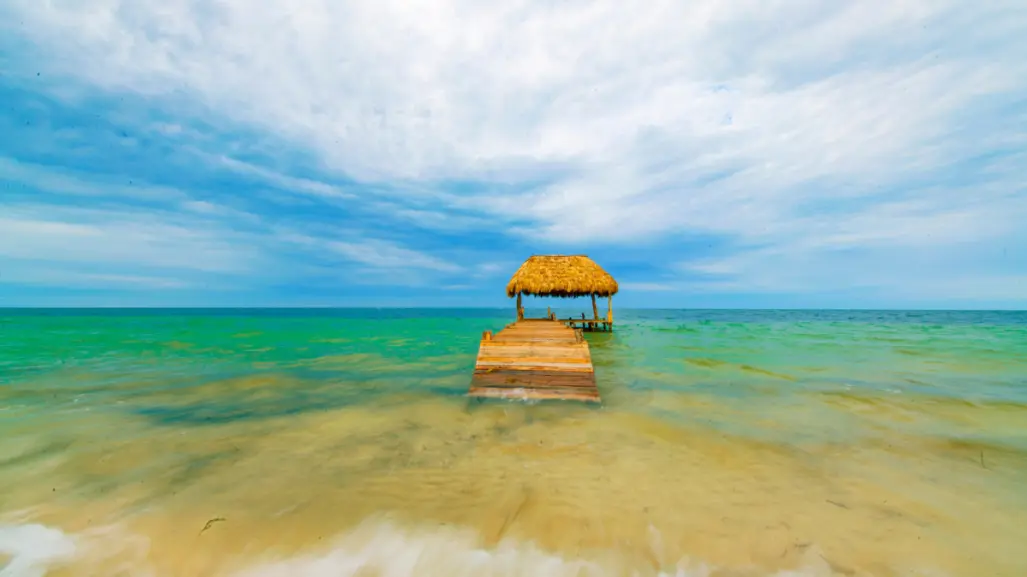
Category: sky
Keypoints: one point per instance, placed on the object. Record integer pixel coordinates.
(707, 153)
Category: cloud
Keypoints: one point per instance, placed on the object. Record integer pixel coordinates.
(34, 275)
(159, 237)
(815, 142)
(649, 286)
(51, 179)
(82, 235)
(292, 184)
(370, 252)
(379, 254)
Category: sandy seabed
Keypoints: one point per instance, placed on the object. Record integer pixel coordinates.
(422, 485)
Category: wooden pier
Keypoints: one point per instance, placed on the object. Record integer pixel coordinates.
(535, 359)
(545, 358)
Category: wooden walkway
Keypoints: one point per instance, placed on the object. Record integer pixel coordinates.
(535, 359)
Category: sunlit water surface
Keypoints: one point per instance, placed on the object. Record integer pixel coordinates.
(339, 442)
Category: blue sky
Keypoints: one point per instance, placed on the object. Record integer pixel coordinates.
(396, 153)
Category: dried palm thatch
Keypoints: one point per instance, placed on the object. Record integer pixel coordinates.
(561, 276)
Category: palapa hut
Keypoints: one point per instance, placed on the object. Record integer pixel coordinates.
(541, 359)
(565, 276)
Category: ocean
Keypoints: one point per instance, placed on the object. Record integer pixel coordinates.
(339, 442)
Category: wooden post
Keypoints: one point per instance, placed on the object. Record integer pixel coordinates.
(609, 309)
(595, 310)
(520, 310)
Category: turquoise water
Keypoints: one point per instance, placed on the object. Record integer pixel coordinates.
(874, 443)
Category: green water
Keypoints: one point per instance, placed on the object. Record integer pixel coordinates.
(134, 415)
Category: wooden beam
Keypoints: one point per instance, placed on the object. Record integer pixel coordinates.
(595, 309)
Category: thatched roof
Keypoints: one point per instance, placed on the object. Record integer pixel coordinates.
(561, 276)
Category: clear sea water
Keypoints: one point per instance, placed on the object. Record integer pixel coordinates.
(340, 443)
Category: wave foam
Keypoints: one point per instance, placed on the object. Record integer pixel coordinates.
(376, 548)
(32, 549)
(382, 549)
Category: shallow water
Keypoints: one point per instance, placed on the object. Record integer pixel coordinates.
(338, 442)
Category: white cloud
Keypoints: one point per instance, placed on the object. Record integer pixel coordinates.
(85, 189)
(648, 286)
(55, 235)
(644, 104)
(52, 179)
(285, 182)
(41, 275)
(369, 252)
(489, 269)
(743, 119)
(382, 254)
(47, 239)
(908, 254)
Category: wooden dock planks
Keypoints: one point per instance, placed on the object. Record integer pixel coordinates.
(535, 359)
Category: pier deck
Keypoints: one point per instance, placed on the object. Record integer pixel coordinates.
(535, 359)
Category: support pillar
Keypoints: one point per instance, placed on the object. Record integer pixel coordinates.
(520, 309)
(595, 310)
